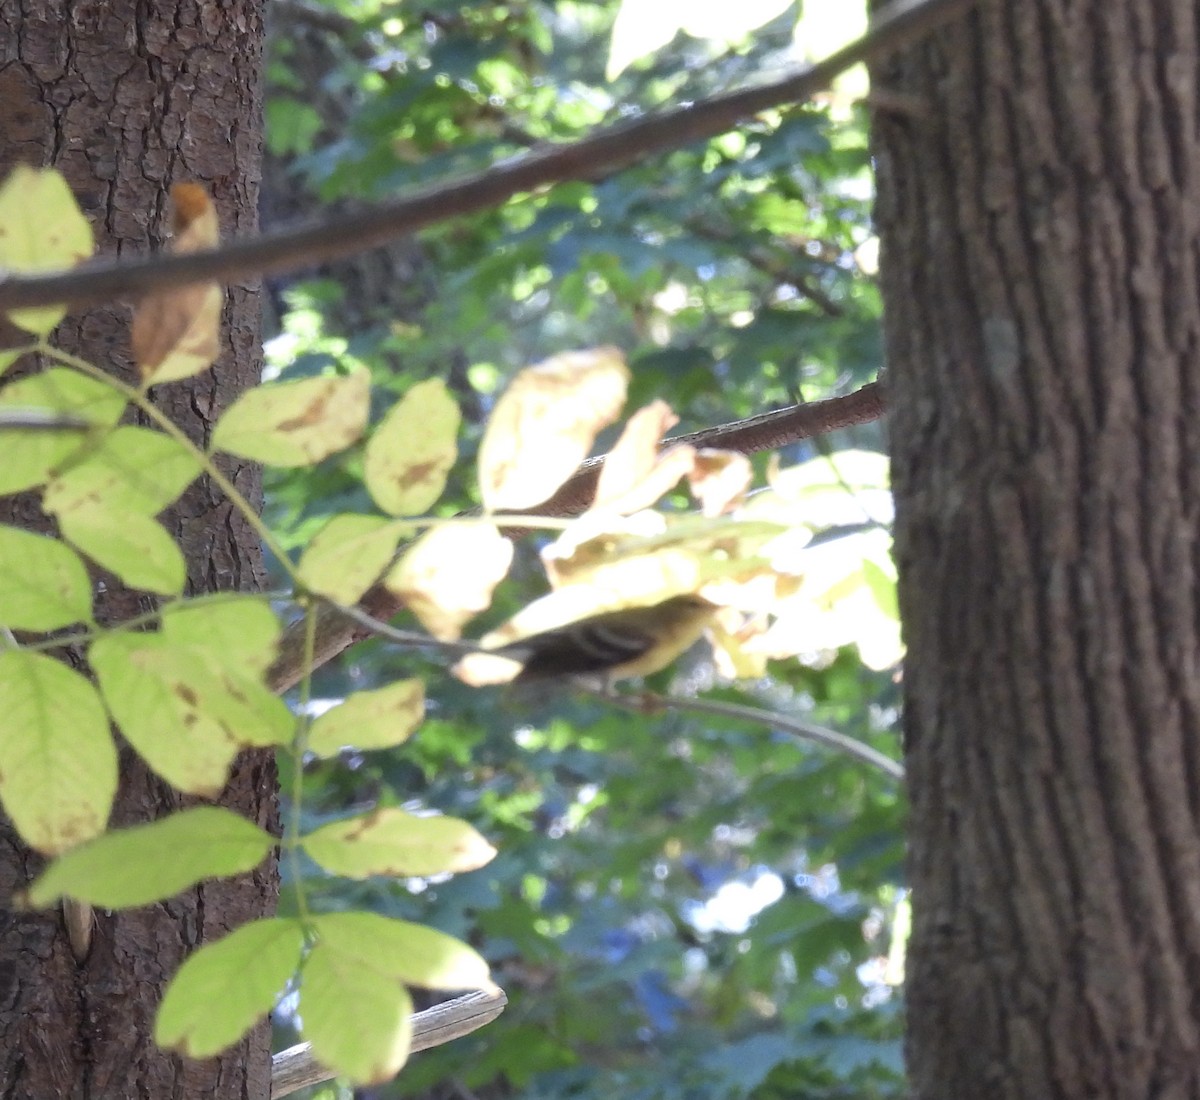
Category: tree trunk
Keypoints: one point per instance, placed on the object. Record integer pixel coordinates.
(125, 99)
(1039, 209)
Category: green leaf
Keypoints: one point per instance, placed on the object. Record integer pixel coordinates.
(43, 584)
(296, 423)
(347, 556)
(187, 708)
(393, 842)
(411, 952)
(226, 987)
(370, 719)
(413, 450)
(41, 229)
(130, 470)
(31, 458)
(358, 1019)
(241, 630)
(9, 356)
(58, 764)
(148, 863)
(883, 587)
(291, 125)
(134, 547)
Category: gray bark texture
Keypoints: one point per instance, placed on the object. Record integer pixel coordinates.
(1039, 210)
(126, 98)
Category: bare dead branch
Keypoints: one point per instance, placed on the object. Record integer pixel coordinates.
(295, 1068)
(901, 23)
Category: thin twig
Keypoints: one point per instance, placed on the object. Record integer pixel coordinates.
(642, 701)
(765, 432)
(898, 25)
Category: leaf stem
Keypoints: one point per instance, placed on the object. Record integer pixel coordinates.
(84, 637)
(644, 701)
(294, 827)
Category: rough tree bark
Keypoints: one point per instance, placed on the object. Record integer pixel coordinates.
(126, 98)
(1039, 209)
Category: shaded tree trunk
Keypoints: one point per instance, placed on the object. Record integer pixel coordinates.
(1039, 209)
(125, 99)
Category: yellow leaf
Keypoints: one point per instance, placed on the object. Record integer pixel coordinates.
(448, 575)
(358, 1020)
(224, 987)
(296, 423)
(393, 842)
(58, 763)
(719, 480)
(347, 555)
(545, 423)
(370, 719)
(413, 450)
(635, 474)
(41, 229)
(411, 952)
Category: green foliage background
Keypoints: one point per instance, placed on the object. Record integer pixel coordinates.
(728, 273)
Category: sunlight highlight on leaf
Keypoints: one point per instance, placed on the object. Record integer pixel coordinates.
(545, 423)
(225, 988)
(42, 229)
(394, 842)
(296, 423)
(358, 1019)
(413, 450)
(378, 719)
(449, 574)
(58, 763)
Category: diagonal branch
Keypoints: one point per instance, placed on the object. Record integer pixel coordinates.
(296, 1068)
(900, 24)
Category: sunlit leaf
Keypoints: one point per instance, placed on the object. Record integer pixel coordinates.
(415, 954)
(130, 469)
(411, 453)
(176, 332)
(449, 574)
(847, 487)
(240, 630)
(635, 474)
(641, 29)
(43, 584)
(30, 458)
(882, 583)
(225, 988)
(186, 705)
(347, 556)
(835, 605)
(58, 764)
(357, 1018)
(147, 863)
(134, 547)
(41, 229)
(393, 842)
(719, 480)
(296, 423)
(370, 719)
(545, 423)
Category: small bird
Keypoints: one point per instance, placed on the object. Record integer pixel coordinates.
(632, 641)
